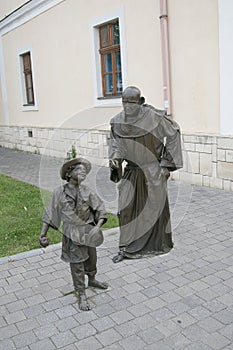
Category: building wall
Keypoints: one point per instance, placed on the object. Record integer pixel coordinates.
(208, 159)
(226, 67)
(68, 112)
(8, 6)
(194, 47)
(1, 109)
(63, 65)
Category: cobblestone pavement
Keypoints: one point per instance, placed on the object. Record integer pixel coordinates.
(181, 300)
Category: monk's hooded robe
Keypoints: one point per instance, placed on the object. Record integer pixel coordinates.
(147, 144)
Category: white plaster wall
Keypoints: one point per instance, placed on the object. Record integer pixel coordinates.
(62, 57)
(193, 30)
(8, 6)
(226, 65)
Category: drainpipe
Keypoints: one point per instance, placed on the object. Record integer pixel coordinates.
(165, 56)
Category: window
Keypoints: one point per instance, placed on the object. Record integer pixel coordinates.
(27, 79)
(110, 55)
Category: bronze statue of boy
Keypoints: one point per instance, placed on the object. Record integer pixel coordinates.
(81, 213)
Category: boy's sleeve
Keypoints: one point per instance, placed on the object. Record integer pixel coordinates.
(98, 207)
(52, 215)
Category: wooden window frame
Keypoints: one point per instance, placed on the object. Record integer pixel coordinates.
(111, 48)
(27, 72)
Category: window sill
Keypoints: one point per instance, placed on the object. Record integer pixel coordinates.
(29, 108)
(108, 101)
(110, 97)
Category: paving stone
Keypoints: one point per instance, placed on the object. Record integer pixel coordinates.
(84, 331)
(47, 318)
(150, 335)
(88, 344)
(166, 286)
(199, 312)
(45, 344)
(160, 345)
(14, 317)
(46, 331)
(137, 297)
(102, 298)
(216, 341)
(103, 310)
(65, 311)
(12, 288)
(210, 324)
(226, 299)
(35, 300)
(33, 311)
(52, 305)
(155, 303)
(195, 333)
(144, 322)
(63, 339)
(169, 328)
(198, 346)
(27, 325)
(184, 320)
(127, 329)
(184, 291)
(16, 305)
(227, 331)
(224, 316)
(178, 341)
(139, 310)
(132, 287)
(6, 299)
(65, 324)
(151, 292)
(214, 305)
(103, 323)
(179, 307)
(24, 339)
(132, 343)
(121, 316)
(121, 303)
(108, 337)
(180, 281)
(7, 345)
(162, 314)
(8, 331)
(85, 317)
(132, 277)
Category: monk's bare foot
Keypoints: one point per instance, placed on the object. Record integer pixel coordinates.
(119, 257)
(92, 282)
(83, 303)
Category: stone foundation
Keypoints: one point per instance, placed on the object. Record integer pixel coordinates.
(208, 159)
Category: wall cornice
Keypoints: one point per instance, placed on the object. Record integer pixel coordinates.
(25, 13)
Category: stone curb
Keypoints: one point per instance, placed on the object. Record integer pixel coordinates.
(40, 251)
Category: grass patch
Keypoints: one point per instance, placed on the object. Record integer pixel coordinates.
(21, 210)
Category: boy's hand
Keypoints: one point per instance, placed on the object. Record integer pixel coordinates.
(44, 242)
(94, 230)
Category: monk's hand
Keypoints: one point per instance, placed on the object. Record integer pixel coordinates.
(43, 241)
(114, 164)
(165, 172)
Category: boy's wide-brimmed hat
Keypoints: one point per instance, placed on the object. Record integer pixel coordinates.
(65, 167)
